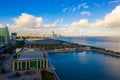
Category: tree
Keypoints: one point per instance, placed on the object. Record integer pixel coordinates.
(47, 75)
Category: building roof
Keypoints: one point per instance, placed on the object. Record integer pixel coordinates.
(30, 54)
(31, 50)
(45, 41)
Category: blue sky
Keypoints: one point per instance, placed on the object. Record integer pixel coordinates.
(63, 12)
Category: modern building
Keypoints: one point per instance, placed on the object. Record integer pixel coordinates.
(14, 36)
(30, 59)
(4, 35)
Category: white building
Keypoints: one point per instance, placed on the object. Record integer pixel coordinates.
(30, 59)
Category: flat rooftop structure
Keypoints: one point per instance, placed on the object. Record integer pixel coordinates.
(31, 51)
(44, 41)
(31, 56)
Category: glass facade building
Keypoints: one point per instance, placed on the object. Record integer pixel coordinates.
(4, 36)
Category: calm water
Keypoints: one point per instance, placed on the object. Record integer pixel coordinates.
(86, 65)
(108, 43)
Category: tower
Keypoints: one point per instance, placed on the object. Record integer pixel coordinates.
(4, 35)
(54, 35)
(7, 38)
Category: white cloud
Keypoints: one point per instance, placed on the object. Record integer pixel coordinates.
(97, 31)
(1, 25)
(83, 5)
(65, 9)
(56, 23)
(98, 23)
(114, 1)
(59, 21)
(110, 25)
(66, 25)
(74, 9)
(28, 21)
(70, 9)
(79, 6)
(110, 20)
(81, 23)
(113, 19)
(49, 25)
(85, 13)
(67, 31)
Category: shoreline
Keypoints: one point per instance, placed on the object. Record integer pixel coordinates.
(53, 45)
(65, 51)
(72, 47)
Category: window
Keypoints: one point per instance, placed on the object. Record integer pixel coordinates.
(33, 64)
(23, 65)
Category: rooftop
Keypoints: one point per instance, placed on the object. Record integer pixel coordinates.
(44, 41)
(30, 54)
(29, 50)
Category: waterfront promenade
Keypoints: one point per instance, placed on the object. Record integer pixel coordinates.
(107, 52)
(53, 45)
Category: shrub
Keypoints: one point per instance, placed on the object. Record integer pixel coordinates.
(47, 75)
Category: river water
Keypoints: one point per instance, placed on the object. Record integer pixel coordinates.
(87, 65)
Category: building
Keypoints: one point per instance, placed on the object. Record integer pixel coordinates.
(46, 43)
(14, 36)
(30, 59)
(30, 36)
(54, 35)
(4, 35)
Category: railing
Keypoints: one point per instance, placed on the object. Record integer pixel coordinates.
(53, 70)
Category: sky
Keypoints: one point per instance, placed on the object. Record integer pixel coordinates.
(64, 17)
